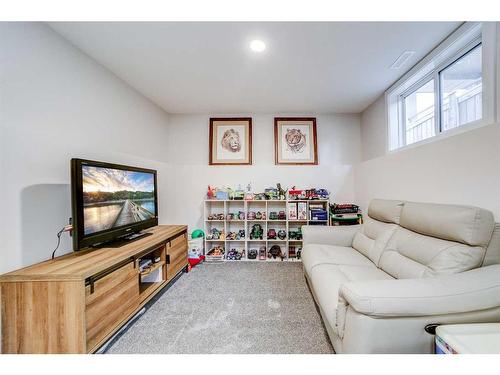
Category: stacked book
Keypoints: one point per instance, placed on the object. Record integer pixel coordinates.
(345, 214)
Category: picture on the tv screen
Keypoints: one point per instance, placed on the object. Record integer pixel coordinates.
(114, 198)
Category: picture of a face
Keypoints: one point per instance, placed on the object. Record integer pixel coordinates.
(295, 140)
(231, 141)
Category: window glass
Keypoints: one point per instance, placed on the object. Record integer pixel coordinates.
(419, 114)
(461, 91)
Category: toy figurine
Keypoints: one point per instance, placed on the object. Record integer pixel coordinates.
(281, 234)
(258, 215)
(273, 215)
(281, 215)
(257, 232)
(275, 252)
(215, 234)
(210, 192)
(221, 194)
(220, 217)
(280, 192)
(216, 251)
(241, 233)
(238, 194)
(249, 194)
(233, 254)
(262, 253)
(231, 236)
(252, 254)
(230, 216)
(271, 234)
(251, 215)
(241, 215)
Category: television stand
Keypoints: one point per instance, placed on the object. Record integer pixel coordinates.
(76, 302)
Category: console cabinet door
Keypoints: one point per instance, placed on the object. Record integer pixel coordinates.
(114, 298)
(177, 251)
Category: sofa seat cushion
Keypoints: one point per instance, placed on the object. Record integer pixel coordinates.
(315, 254)
(326, 280)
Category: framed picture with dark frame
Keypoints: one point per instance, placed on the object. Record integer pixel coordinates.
(295, 141)
(230, 141)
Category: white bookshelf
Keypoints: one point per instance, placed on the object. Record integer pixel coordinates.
(214, 206)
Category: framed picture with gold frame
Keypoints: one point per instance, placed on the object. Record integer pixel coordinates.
(230, 141)
(295, 141)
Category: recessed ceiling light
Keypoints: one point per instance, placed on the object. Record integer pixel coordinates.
(257, 45)
(402, 59)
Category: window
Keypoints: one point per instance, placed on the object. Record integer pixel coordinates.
(442, 92)
(461, 98)
(419, 119)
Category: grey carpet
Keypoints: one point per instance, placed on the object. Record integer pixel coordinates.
(231, 308)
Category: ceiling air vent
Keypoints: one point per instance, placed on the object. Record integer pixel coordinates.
(402, 59)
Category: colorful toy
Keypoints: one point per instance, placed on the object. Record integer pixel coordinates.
(231, 236)
(273, 215)
(241, 215)
(296, 194)
(258, 215)
(257, 233)
(259, 197)
(221, 194)
(249, 194)
(281, 215)
(271, 193)
(271, 234)
(295, 234)
(230, 216)
(211, 192)
(234, 254)
(281, 193)
(215, 234)
(281, 234)
(238, 195)
(241, 234)
(251, 215)
(197, 233)
(216, 251)
(252, 254)
(275, 252)
(262, 253)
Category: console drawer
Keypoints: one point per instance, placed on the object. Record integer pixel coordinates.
(177, 254)
(114, 298)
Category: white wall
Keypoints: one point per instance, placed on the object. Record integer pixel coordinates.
(461, 169)
(189, 172)
(55, 104)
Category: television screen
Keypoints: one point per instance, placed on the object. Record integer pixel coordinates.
(110, 197)
(113, 198)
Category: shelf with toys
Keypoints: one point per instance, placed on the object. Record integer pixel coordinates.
(260, 226)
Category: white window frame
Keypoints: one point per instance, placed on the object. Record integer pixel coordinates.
(457, 45)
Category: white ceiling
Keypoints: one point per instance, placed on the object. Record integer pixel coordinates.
(196, 67)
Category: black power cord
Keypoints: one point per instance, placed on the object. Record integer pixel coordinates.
(66, 228)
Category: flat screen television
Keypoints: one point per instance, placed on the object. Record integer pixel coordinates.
(110, 201)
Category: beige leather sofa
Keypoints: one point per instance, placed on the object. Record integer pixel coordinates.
(410, 264)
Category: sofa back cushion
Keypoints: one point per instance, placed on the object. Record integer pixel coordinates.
(372, 239)
(385, 210)
(437, 239)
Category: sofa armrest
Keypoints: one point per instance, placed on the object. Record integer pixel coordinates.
(327, 235)
(474, 290)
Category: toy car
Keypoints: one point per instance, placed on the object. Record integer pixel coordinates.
(295, 234)
(296, 194)
(281, 215)
(257, 233)
(271, 193)
(322, 194)
(271, 234)
(238, 195)
(281, 234)
(273, 215)
(216, 251)
(215, 234)
(275, 252)
(252, 254)
(234, 254)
